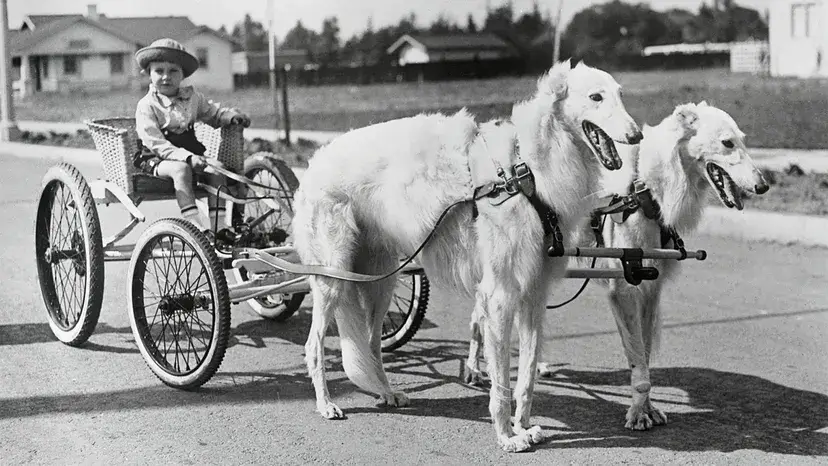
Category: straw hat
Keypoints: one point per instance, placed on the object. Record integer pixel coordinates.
(170, 51)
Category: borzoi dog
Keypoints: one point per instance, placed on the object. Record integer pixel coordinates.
(374, 194)
(695, 143)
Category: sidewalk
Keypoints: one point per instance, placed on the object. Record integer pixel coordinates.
(718, 221)
(250, 133)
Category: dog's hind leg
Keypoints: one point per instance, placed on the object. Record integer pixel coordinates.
(325, 296)
(627, 304)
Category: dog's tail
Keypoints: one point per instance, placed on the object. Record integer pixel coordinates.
(362, 362)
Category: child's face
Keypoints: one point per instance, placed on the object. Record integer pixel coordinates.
(166, 77)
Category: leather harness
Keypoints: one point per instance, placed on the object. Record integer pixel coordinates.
(521, 180)
(621, 207)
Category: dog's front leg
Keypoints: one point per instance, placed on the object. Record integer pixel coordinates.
(530, 320)
(628, 308)
(497, 321)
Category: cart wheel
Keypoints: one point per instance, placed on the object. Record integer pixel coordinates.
(69, 254)
(265, 168)
(179, 305)
(407, 310)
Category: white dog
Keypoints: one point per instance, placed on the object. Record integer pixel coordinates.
(695, 143)
(373, 195)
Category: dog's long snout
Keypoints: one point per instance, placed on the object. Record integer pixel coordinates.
(635, 137)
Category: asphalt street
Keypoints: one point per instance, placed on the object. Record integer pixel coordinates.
(742, 374)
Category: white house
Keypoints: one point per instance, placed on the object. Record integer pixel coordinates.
(450, 47)
(67, 53)
(798, 37)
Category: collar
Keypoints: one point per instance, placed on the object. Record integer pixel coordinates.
(184, 94)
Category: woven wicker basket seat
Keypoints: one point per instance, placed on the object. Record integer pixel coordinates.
(117, 141)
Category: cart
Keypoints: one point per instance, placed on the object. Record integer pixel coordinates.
(178, 296)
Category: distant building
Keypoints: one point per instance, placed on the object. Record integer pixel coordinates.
(68, 53)
(798, 41)
(245, 63)
(744, 57)
(410, 49)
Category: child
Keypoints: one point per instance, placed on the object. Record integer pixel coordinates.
(164, 120)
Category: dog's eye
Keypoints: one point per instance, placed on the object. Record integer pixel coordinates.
(728, 143)
(596, 97)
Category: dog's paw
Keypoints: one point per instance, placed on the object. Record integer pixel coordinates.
(545, 370)
(644, 417)
(515, 443)
(534, 435)
(474, 377)
(330, 411)
(394, 400)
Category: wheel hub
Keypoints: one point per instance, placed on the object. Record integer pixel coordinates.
(185, 302)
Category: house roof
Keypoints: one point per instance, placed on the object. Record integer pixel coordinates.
(453, 42)
(23, 40)
(139, 30)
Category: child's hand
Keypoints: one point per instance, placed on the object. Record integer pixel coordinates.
(198, 162)
(241, 119)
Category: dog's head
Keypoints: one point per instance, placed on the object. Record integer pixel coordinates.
(716, 147)
(590, 104)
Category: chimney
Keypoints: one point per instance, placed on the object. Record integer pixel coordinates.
(92, 11)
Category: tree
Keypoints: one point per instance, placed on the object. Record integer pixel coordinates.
(500, 19)
(471, 26)
(250, 34)
(301, 38)
(443, 25)
(328, 43)
(531, 25)
(606, 33)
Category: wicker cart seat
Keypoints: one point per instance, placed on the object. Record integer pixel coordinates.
(117, 142)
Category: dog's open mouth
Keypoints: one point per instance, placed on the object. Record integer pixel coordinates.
(602, 145)
(728, 192)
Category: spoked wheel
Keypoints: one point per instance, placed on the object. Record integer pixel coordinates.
(179, 305)
(264, 168)
(407, 310)
(69, 254)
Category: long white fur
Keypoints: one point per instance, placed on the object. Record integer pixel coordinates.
(671, 161)
(372, 196)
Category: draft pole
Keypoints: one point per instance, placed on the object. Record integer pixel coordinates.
(8, 125)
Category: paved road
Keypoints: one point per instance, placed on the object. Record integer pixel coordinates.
(742, 375)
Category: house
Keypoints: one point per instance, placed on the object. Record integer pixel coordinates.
(798, 31)
(459, 47)
(92, 52)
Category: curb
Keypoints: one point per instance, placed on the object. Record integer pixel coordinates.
(760, 225)
(751, 225)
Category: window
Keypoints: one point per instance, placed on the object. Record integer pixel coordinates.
(116, 64)
(79, 44)
(202, 55)
(45, 66)
(803, 19)
(70, 64)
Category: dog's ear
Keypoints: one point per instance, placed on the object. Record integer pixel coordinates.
(687, 118)
(703, 103)
(554, 82)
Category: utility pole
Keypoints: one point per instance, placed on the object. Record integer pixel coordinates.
(271, 47)
(8, 125)
(556, 54)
